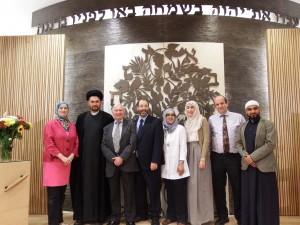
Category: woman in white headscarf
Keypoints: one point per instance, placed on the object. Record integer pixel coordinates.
(175, 171)
(200, 191)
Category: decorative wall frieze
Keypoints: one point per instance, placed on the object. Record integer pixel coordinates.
(169, 10)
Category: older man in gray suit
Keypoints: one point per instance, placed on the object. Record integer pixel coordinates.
(256, 141)
(118, 146)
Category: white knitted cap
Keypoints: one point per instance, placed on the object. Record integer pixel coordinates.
(251, 102)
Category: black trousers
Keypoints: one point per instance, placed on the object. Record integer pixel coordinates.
(115, 195)
(151, 180)
(56, 197)
(177, 200)
(223, 165)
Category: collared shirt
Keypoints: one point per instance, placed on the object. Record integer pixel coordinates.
(138, 122)
(234, 121)
(94, 113)
(120, 127)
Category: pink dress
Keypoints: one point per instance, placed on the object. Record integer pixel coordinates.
(57, 140)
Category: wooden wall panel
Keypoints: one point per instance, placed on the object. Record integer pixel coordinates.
(31, 83)
(283, 51)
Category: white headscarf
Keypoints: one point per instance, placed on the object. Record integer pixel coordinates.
(193, 123)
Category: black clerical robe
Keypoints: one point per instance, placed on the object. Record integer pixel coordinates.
(88, 183)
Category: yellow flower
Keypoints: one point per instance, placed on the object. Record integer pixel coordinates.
(30, 125)
(9, 121)
(20, 128)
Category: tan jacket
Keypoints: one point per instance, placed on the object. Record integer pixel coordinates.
(265, 143)
(204, 139)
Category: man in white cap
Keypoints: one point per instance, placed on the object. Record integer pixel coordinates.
(225, 158)
(256, 141)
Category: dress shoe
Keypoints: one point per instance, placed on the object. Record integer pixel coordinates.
(111, 222)
(130, 223)
(140, 218)
(78, 222)
(222, 221)
(155, 222)
(93, 223)
(167, 221)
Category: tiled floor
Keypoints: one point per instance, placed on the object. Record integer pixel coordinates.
(42, 220)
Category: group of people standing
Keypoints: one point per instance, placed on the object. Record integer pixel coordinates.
(193, 161)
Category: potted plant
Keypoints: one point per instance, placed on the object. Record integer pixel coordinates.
(11, 127)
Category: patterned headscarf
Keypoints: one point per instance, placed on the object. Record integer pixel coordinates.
(64, 120)
(169, 127)
(193, 123)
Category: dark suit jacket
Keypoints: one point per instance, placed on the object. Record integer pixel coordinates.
(150, 143)
(265, 143)
(127, 148)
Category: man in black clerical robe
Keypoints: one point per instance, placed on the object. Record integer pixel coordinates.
(88, 183)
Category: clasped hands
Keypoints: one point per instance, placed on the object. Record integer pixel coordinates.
(118, 161)
(247, 159)
(66, 160)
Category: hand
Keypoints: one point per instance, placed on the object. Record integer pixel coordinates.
(180, 169)
(118, 161)
(248, 160)
(71, 157)
(153, 166)
(201, 165)
(64, 159)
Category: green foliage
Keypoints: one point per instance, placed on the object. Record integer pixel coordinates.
(168, 78)
(11, 127)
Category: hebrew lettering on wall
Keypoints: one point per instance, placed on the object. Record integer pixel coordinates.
(170, 9)
(168, 74)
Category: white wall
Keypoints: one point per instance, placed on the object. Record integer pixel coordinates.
(16, 15)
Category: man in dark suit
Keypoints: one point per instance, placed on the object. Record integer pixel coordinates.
(150, 139)
(118, 147)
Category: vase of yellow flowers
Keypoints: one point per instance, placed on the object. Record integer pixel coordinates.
(11, 127)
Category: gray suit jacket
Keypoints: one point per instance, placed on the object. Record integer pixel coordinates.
(265, 143)
(127, 148)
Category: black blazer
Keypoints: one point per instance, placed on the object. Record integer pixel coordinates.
(127, 148)
(150, 143)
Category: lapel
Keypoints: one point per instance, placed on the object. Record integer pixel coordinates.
(124, 128)
(243, 133)
(259, 126)
(61, 128)
(110, 130)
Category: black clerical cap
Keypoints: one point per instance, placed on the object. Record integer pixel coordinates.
(94, 93)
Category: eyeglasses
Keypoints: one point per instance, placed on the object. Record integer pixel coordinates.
(171, 114)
